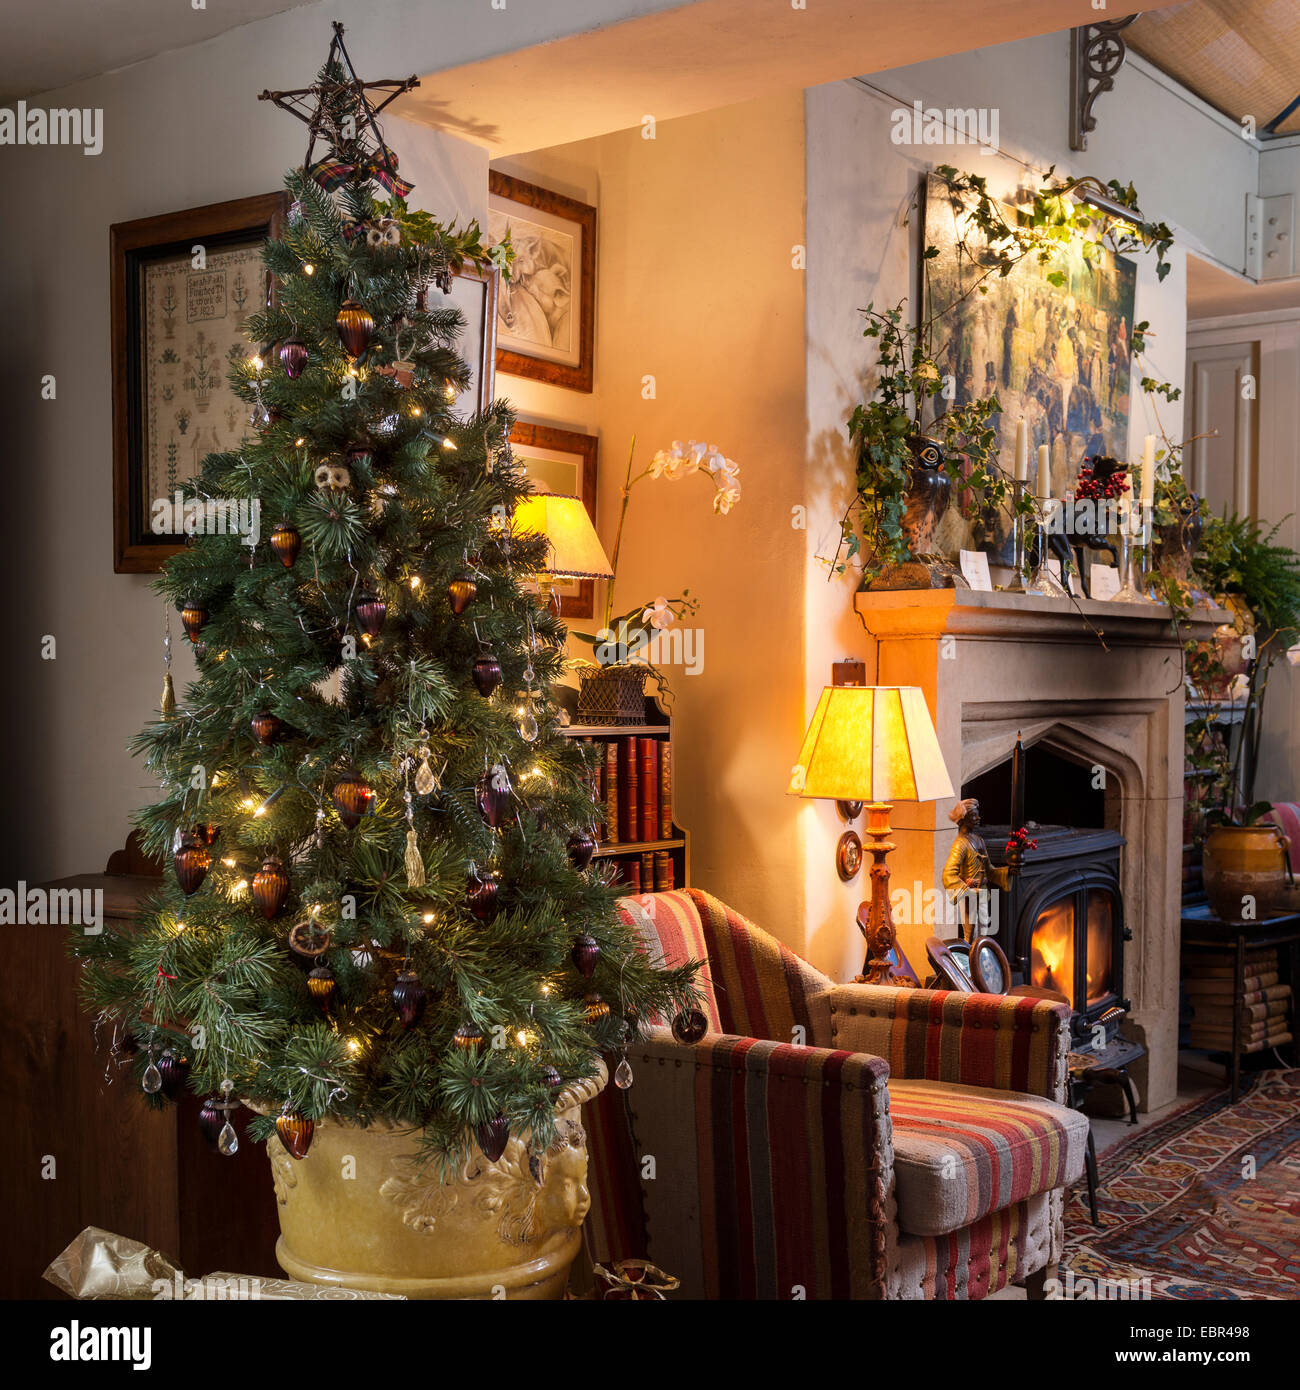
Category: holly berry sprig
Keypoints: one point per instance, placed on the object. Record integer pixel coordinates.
(1094, 489)
(1020, 839)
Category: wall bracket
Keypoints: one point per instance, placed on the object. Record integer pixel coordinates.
(1097, 52)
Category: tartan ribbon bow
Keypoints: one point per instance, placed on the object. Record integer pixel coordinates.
(334, 173)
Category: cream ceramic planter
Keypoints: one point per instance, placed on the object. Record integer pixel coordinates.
(357, 1211)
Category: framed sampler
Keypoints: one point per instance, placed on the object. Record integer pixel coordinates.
(183, 285)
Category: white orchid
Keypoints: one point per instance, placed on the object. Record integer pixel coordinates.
(724, 499)
(659, 614)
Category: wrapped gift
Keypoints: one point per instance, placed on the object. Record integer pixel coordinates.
(100, 1265)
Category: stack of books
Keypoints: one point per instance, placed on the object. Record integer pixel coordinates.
(1263, 1009)
(633, 782)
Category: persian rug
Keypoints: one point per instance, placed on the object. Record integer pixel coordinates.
(1203, 1205)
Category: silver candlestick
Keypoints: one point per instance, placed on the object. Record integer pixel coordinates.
(1017, 582)
(1044, 582)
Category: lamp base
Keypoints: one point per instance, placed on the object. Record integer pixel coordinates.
(882, 941)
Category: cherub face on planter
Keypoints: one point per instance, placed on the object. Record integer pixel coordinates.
(334, 476)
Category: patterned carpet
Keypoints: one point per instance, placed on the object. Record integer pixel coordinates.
(1203, 1205)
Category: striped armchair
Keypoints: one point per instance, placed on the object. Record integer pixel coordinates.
(832, 1141)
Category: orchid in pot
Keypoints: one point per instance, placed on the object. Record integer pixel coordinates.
(628, 643)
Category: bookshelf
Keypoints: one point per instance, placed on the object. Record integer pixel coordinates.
(634, 782)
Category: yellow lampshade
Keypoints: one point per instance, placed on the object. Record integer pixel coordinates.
(574, 550)
(871, 743)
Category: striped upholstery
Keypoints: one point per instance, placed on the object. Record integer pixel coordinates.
(1286, 815)
(670, 929)
(961, 1153)
(976, 1261)
(766, 1184)
(763, 989)
(752, 1168)
(993, 1040)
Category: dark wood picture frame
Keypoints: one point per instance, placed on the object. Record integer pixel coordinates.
(489, 277)
(132, 245)
(981, 947)
(947, 957)
(530, 195)
(524, 437)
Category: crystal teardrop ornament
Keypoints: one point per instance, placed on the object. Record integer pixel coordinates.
(424, 782)
(623, 1075)
(528, 729)
(152, 1080)
(228, 1140)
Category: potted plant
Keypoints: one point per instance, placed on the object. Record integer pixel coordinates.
(1244, 861)
(612, 689)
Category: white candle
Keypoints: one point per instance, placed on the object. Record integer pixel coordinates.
(1149, 470)
(1022, 451)
(1044, 473)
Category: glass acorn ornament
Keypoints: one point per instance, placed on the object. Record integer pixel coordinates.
(286, 542)
(461, 589)
(191, 863)
(493, 1136)
(493, 794)
(371, 610)
(355, 327)
(581, 848)
(271, 887)
(173, 1070)
(193, 617)
(353, 797)
(486, 671)
(321, 986)
(294, 1131)
(585, 954)
(482, 892)
(409, 998)
(595, 1007)
(293, 357)
(468, 1037)
(267, 727)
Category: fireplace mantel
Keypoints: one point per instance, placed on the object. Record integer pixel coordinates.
(1026, 617)
(1098, 683)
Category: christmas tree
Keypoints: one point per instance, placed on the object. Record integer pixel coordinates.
(384, 902)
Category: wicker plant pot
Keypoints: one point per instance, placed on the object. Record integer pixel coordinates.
(489, 1230)
(612, 695)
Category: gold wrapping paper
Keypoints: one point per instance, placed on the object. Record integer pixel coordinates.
(101, 1265)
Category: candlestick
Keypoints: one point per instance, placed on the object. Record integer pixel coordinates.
(1016, 585)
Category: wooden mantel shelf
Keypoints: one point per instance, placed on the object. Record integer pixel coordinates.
(1004, 617)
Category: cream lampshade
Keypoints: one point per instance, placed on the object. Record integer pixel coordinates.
(873, 744)
(574, 550)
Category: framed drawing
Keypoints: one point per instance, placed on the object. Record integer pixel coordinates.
(951, 962)
(177, 324)
(1057, 354)
(474, 293)
(563, 462)
(546, 311)
(989, 969)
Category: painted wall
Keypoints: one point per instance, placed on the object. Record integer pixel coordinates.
(696, 288)
(179, 134)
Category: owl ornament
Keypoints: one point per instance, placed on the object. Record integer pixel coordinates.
(333, 477)
(382, 234)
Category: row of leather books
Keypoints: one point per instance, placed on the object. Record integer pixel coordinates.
(1262, 1011)
(651, 871)
(633, 782)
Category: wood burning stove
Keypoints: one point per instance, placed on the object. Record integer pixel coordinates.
(1061, 927)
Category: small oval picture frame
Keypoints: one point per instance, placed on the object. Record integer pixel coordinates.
(990, 971)
(848, 855)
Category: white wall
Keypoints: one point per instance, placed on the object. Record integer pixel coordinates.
(859, 251)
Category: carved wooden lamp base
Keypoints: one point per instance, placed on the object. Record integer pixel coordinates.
(878, 969)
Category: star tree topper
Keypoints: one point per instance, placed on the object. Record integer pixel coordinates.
(337, 110)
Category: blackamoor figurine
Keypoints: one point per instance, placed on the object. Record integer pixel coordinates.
(968, 869)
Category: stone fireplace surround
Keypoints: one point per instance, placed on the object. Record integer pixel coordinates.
(1099, 684)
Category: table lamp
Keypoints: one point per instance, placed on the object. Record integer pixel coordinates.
(875, 744)
(573, 549)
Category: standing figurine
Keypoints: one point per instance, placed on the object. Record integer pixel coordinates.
(968, 869)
